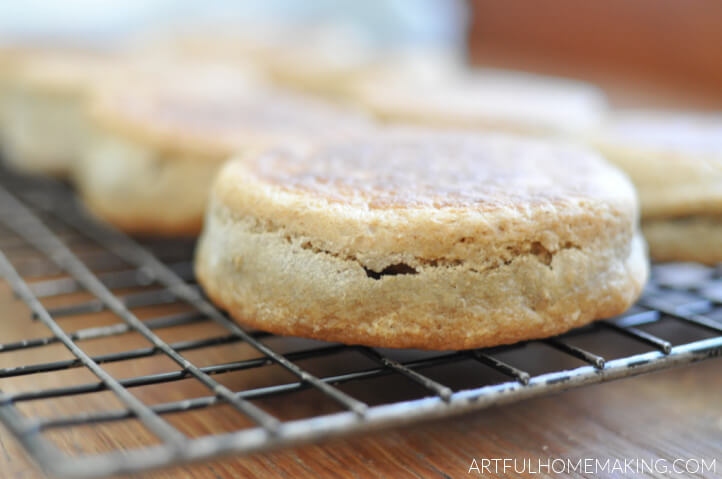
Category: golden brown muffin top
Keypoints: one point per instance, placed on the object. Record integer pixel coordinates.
(482, 99)
(218, 112)
(432, 194)
(419, 168)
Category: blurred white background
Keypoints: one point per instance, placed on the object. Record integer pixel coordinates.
(400, 22)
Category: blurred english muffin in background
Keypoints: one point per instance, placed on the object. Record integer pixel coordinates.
(445, 95)
(316, 58)
(43, 96)
(320, 59)
(675, 161)
(156, 145)
(220, 42)
(324, 61)
(47, 92)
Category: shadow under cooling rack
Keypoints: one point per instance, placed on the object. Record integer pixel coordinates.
(113, 361)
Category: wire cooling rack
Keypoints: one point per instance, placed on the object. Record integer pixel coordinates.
(117, 363)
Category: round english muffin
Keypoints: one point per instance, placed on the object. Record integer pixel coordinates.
(316, 58)
(675, 161)
(422, 239)
(43, 98)
(156, 146)
(481, 99)
(327, 59)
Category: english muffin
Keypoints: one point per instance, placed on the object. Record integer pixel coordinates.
(43, 95)
(315, 58)
(156, 146)
(320, 59)
(481, 99)
(422, 239)
(675, 161)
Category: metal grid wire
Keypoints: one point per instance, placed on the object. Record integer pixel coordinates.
(50, 253)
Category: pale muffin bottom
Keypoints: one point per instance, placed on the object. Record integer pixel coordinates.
(141, 189)
(272, 280)
(692, 238)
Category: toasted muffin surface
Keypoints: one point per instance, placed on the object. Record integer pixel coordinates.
(217, 118)
(410, 182)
